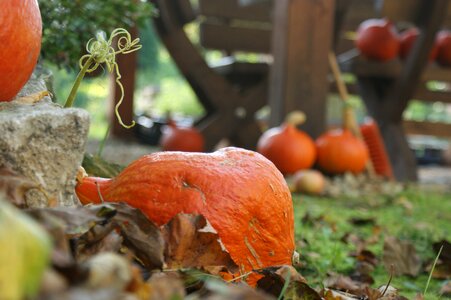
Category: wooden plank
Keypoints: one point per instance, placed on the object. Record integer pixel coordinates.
(427, 128)
(435, 72)
(401, 10)
(127, 65)
(232, 9)
(302, 37)
(230, 39)
(185, 11)
(406, 10)
(390, 69)
(423, 94)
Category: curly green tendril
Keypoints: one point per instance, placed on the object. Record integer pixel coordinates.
(100, 51)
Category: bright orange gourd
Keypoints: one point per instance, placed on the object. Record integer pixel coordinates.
(377, 40)
(241, 193)
(187, 139)
(289, 148)
(20, 36)
(339, 151)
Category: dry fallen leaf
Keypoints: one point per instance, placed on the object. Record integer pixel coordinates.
(165, 286)
(274, 278)
(338, 295)
(445, 291)
(191, 242)
(219, 290)
(14, 186)
(402, 256)
(33, 98)
(342, 283)
(140, 235)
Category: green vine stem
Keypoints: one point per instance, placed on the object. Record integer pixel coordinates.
(100, 51)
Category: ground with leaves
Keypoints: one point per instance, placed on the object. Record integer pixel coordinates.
(360, 238)
(367, 239)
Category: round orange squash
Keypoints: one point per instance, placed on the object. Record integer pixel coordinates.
(187, 139)
(20, 35)
(377, 39)
(240, 192)
(339, 151)
(289, 148)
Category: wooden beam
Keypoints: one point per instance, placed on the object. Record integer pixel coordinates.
(230, 39)
(232, 9)
(427, 128)
(127, 65)
(301, 40)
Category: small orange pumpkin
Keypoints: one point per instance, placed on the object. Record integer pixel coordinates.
(377, 39)
(443, 43)
(241, 193)
(289, 148)
(339, 151)
(187, 139)
(20, 35)
(407, 40)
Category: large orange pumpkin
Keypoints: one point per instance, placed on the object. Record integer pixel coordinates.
(241, 193)
(20, 36)
(176, 138)
(339, 151)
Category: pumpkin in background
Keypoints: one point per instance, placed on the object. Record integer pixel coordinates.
(407, 40)
(187, 139)
(444, 48)
(339, 151)
(241, 193)
(20, 35)
(289, 148)
(377, 39)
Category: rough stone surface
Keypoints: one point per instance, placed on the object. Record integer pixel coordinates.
(45, 143)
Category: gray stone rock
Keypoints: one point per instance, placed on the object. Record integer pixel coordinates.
(45, 143)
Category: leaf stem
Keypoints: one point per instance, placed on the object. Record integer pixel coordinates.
(73, 92)
(103, 141)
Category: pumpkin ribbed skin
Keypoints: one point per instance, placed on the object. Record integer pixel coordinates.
(20, 35)
(241, 193)
(288, 148)
(339, 151)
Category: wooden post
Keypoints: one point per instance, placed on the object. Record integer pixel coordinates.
(127, 66)
(301, 40)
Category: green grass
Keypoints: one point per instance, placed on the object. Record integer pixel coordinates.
(321, 248)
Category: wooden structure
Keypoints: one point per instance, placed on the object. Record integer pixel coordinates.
(298, 35)
(230, 104)
(386, 88)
